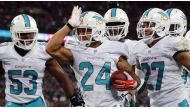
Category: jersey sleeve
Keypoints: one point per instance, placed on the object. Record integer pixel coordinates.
(134, 48)
(4, 50)
(122, 49)
(177, 44)
(44, 54)
(118, 49)
(131, 44)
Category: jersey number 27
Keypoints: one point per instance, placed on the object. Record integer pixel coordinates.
(155, 66)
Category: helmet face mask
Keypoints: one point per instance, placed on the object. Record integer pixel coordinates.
(25, 40)
(24, 31)
(146, 29)
(115, 30)
(174, 29)
(117, 24)
(83, 35)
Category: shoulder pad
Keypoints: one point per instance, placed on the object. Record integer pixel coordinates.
(4, 44)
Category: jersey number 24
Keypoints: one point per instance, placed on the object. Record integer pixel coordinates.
(99, 81)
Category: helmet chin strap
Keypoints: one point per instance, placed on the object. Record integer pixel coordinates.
(149, 40)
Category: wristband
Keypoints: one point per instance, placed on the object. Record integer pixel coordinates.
(70, 26)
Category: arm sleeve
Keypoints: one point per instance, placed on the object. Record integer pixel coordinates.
(4, 49)
(45, 55)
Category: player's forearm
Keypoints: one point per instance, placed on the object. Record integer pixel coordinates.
(135, 77)
(56, 71)
(64, 82)
(123, 65)
(56, 42)
(140, 74)
(183, 59)
(74, 96)
(67, 86)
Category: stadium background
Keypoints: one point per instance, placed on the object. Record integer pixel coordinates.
(52, 15)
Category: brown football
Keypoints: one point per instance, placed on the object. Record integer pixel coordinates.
(118, 75)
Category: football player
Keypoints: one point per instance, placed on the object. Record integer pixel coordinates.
(24, 61)
(186, 74)
(178, 22)
(92, 59)
(161, 60)
(117, 24)
(178, 27)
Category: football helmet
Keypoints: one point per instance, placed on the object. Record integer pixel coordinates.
(153, 25)
(117, 24)
(178, 22)
(91, 29)
(22, 25)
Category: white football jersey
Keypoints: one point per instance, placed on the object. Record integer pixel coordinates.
(162, 73)
(93, 68)
(131, 44)
(23, 74)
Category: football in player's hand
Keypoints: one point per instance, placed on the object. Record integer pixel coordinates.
(118, 75)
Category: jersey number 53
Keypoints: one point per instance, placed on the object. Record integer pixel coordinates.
(27, 73)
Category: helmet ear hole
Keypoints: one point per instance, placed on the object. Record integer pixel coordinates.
(163, 28)
(99, 32)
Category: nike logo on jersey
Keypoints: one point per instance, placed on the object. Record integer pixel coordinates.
(149, 58)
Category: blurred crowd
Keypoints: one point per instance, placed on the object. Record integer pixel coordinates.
(52, 15)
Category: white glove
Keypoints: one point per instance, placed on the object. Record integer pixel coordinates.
(75, 21)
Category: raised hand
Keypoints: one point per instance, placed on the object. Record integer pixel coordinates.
(75, 21)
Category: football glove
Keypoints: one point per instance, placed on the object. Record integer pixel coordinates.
(75, 21)
(125, 85)
(77, 100)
